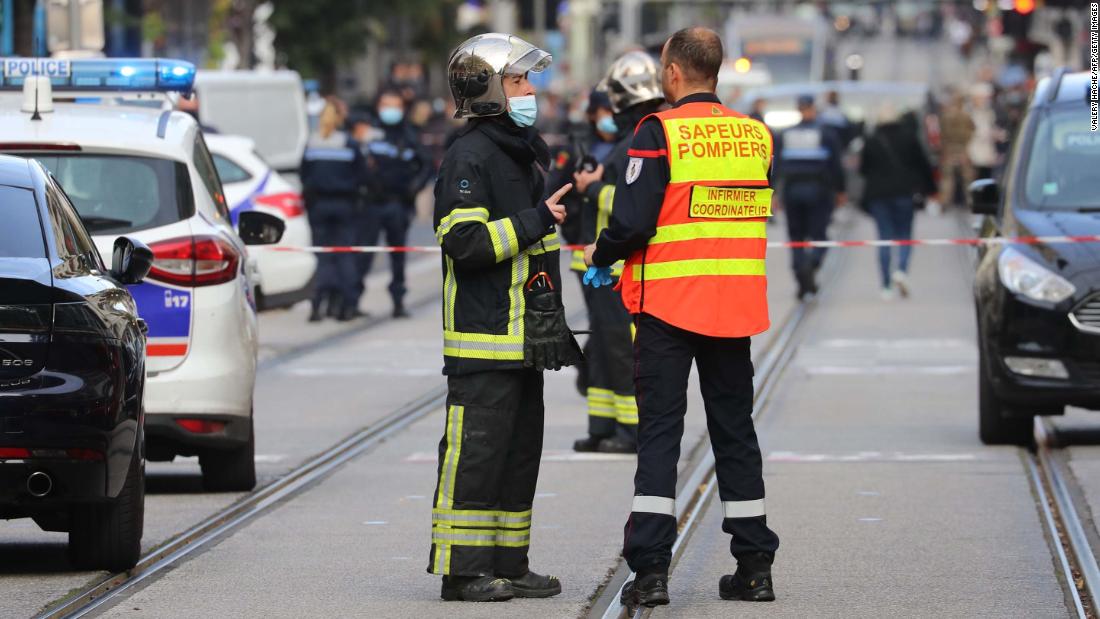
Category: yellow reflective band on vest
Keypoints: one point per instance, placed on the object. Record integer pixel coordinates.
(709, 230)
(716, 149)
(702, 267)
(730, 203)
(483, 346)
(459, 215)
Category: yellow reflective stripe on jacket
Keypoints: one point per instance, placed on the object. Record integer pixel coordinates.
(577, 262)
(483, 346)
(709, 230)
(626, 409)
(604, 202)
(459, 215)
(450, 292)
(703, 267)
(449, 471)
(503, 235)
(601, 402)
(517, 300)
(705, 149)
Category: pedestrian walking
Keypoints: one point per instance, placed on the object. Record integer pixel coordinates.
(398, 167)
(332, 174)
(808, 166)
(689, 218)
(503, 323)
(633, 87)
(897, 176)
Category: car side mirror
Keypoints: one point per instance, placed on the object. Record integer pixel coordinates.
(256, 228)
(985, 196)
(130, 260)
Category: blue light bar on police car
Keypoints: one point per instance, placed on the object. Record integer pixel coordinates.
(101, 74)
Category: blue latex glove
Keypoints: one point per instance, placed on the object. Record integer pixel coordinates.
(597, 276)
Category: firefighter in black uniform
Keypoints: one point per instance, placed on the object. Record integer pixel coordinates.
(398, 167)
(503, 323)
(633, 86)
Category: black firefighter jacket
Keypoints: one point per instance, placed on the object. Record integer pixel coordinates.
(496, 234)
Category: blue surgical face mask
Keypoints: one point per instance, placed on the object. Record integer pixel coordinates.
(391, 115)
(523, 110)
(607, 125)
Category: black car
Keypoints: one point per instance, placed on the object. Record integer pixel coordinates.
(1038, 304)
(72, 373)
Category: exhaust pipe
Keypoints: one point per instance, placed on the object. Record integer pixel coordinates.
(39, 484)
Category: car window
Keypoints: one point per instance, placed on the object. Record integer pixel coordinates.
(21, 233)
(1065, 156)
(229, 171)
(209, 175)
(120, 194)
(79, 239)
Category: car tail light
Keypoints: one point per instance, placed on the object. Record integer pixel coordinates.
(27, 146)
(201, 426)
(288, 203)
(194, 261)
(14, 452)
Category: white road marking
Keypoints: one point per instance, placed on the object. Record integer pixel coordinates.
(372, 370)
(868, 493)
(547, 456)
(870, 519)
(545, 495)
(870, 456)
(888, 370)
(375, 522)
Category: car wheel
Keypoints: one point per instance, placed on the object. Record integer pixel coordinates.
(107, 536)
(997, 423)
(232, 470)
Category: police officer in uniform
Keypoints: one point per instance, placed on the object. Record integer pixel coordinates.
(397, 168)
(633, 85)
(808, 165)
(690, 218)
(503, 323)
(332, 174)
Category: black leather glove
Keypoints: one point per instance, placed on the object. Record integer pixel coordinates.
(548, 344)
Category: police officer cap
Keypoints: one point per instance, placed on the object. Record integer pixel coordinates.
(805, 101)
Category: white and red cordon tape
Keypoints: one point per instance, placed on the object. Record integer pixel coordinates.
(995, 240)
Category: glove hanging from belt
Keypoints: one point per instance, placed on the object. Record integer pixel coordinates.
(548, 344)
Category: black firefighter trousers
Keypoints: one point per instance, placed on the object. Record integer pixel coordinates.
(609, 361)
(488, 466)
(663, 355)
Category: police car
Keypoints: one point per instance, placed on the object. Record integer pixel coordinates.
(252, 185)
(134, 167)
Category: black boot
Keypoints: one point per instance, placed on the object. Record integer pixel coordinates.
(751, 582)
(335, 304)
(649, 589)
(532, 585)
(315, 314)
(476, 589)
(587, 444)
(617, 445)
(399, 310)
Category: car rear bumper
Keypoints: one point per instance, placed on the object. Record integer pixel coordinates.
(167, 438)
(69, 481)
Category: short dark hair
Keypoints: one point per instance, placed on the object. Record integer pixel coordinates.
(698, 51)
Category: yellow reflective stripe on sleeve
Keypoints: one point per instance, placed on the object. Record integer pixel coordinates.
(449, 471)
(709, 230)
(502, 232)
(704, 267)
(717, 148)
(483, 346)
(604, 201)
(547, 244)
(730, 202)
(450, 292)
(459, 215)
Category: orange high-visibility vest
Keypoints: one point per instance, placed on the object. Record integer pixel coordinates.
(703, 270)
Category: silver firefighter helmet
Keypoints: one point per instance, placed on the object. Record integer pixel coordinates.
(635, 77)
(477, 68)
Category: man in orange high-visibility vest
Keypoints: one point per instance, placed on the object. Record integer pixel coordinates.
(690, 219)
